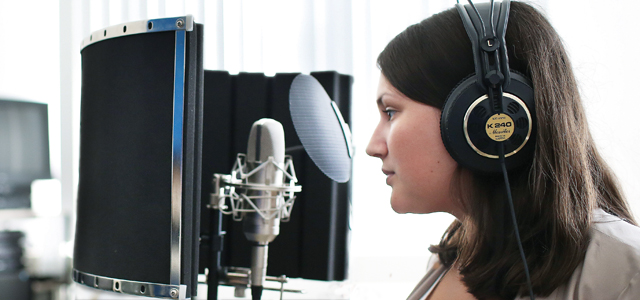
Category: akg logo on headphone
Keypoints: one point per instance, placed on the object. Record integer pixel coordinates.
(499, 127)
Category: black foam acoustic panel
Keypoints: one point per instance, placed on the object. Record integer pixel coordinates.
(314, 243)
(123, 228)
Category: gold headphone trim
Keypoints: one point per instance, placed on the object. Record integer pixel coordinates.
(466, 120)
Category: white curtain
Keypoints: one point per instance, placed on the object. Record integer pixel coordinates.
(388, 251)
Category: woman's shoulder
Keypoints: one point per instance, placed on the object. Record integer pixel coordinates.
(617, 232)
(614, 242)
(611, 268)
(435, 271)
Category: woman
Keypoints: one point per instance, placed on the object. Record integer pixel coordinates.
(579, 237)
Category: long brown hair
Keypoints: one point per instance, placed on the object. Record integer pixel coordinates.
(553, 197)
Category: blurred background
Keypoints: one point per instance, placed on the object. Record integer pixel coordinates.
(40, 62)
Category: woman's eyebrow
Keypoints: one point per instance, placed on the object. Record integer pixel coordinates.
(379, 100)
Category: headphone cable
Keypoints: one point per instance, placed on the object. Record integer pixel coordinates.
(513, 218)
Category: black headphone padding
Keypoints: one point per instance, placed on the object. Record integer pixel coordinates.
(453, 118)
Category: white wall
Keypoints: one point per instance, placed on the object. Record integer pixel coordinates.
(603, 45)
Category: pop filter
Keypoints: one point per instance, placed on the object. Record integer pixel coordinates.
(321, 129)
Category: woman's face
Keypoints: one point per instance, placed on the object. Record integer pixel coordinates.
(407, 140)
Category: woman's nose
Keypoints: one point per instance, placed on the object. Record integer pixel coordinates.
(377, 145)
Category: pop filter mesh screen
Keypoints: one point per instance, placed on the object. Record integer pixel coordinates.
(318, 128)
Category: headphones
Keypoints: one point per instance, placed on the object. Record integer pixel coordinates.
(488, 120)
(492, 110)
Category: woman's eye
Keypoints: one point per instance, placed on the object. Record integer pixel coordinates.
(390, 113)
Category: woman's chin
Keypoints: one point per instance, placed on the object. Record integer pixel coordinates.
(401, 207)
(405, 206)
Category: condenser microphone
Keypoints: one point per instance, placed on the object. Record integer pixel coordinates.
(260, 191)
(266, 141)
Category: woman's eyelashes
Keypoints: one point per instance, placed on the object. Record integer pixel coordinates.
(390, 113)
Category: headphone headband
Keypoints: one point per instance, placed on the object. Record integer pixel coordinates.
(486, 33)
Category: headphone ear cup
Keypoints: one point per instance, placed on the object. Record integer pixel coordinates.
(466, 127)
(449, 130)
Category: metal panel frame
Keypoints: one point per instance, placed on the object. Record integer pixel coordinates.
(177, 154)
(184, 23)
(130, 287)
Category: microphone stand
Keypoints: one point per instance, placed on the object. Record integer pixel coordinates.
(215, 253)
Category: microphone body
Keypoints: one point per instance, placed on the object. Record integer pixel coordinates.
(266, 141)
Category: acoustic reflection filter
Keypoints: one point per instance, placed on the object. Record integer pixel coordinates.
(138, 206)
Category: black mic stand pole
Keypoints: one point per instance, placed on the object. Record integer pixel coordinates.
(215, 252)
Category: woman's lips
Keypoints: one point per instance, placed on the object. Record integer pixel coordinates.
(389, 175)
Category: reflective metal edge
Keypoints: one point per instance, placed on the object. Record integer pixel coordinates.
(346, 131)
(184, 23)
(130, 287)
(466, 119)
(177, 153)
